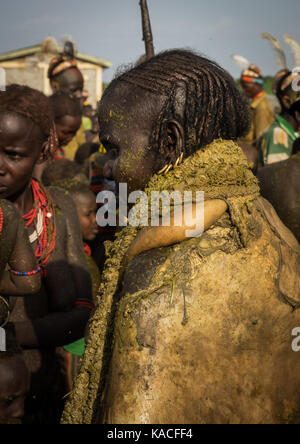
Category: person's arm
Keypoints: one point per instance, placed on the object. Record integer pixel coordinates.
(68, 286)
(21, 259)
(263, 119)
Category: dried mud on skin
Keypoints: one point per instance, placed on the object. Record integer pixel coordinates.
(209, 323)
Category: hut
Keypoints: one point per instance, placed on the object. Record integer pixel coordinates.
(29, 66)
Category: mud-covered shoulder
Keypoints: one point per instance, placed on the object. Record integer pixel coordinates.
(279, 229)
(141, 270)
(11, 217)
(61, 198)
(9, 232)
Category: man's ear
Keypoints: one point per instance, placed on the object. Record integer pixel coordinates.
(286, 101)
(54, 85)
(45, 153)
(175, 140)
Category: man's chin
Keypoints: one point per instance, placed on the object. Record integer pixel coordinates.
(4, 193)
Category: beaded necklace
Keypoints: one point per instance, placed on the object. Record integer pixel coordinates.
(87, 249)
(258, 95)
(1, 220)
(42, 216)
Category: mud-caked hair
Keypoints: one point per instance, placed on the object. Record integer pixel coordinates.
(199, 94)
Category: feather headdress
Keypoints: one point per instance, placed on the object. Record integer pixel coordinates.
(276, 45)
(295, 48)
(241, 61)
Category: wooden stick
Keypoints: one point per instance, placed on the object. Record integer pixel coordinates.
(147, 32)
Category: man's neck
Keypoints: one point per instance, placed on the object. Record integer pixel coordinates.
(257, 95)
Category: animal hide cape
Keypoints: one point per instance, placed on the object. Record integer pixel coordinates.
(206, 337)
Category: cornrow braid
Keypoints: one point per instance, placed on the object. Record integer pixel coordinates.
(200, 95)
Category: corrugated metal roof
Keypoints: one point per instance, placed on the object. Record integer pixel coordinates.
(20, 53)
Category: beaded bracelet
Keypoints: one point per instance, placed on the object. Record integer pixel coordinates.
(25, 273)
(86, 304)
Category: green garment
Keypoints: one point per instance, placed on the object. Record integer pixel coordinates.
(87, 124)
(276, 144)
(72, 147)
(76, 348)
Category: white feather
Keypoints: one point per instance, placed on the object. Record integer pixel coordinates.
(295, 49)
(241, 61)
(49, 45)
(276, 46)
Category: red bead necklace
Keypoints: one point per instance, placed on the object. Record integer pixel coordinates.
(47, 238)
(1, 220)
(87, 249)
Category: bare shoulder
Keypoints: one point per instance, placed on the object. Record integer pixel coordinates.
(8, 208)
(11, 217)
(61, 199)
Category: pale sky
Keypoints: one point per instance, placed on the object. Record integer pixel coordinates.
(111, 29)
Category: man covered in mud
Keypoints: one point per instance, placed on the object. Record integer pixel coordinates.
(190, 330)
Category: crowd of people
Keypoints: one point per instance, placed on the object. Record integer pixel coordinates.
(136, 324)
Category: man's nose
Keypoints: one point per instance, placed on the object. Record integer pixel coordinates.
(94, 220)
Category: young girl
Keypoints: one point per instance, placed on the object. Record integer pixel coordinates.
(27, 137)
(190, 330)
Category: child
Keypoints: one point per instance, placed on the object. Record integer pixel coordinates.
(86, 206)
(27, 137)
(62, 169)
(190, 330)
(14, 383)
(67, 117)
(65, 76)
(86, 209)
(85, 151)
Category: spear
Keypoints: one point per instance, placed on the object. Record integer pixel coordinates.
(147, 32)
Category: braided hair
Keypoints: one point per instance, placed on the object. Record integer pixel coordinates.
(33, 105)
(199, 94)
